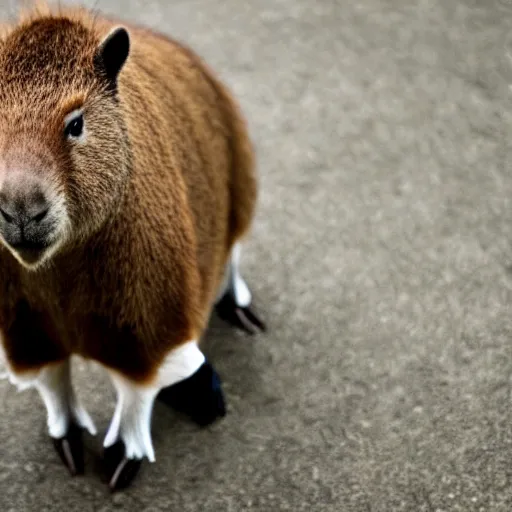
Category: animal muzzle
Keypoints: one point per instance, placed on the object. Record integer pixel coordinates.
(27, 223)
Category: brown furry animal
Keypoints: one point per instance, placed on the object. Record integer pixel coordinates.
(126, 183)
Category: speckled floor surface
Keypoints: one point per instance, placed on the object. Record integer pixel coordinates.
(381, 258)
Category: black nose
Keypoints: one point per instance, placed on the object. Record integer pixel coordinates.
(22, 211)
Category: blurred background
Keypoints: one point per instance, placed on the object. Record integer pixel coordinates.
(381, 258)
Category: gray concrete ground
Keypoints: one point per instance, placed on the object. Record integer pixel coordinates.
(381, 257)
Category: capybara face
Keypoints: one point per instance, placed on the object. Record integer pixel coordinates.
(64, 152)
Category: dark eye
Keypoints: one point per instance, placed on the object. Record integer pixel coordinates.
(75, 127)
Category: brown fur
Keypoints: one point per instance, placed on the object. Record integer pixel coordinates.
(157, 196)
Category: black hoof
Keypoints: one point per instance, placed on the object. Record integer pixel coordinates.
(241, 317)
(120, 470)
(200, 396)
(71, 450)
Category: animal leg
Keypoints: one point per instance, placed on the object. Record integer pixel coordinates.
(182, 382)
(234, 306)
(128, 439)
(66, 416)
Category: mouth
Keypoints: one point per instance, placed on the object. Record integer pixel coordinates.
(30, 253)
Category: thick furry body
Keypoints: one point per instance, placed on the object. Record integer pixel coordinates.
(141, 281)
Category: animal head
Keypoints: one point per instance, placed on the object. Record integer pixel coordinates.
(64, 152)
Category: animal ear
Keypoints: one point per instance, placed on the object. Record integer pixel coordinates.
(112, 54)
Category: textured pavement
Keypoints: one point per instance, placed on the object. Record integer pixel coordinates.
(381, 258)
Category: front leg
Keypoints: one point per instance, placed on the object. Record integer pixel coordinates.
(128, 440)
(66, 416)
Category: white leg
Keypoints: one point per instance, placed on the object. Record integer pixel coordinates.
(56, 389)
(53, 382)
(132, 418)
(233, 303)
(233, 280)
(131, 422)
(241, 291)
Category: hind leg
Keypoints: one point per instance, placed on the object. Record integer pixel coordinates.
(234, 304)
